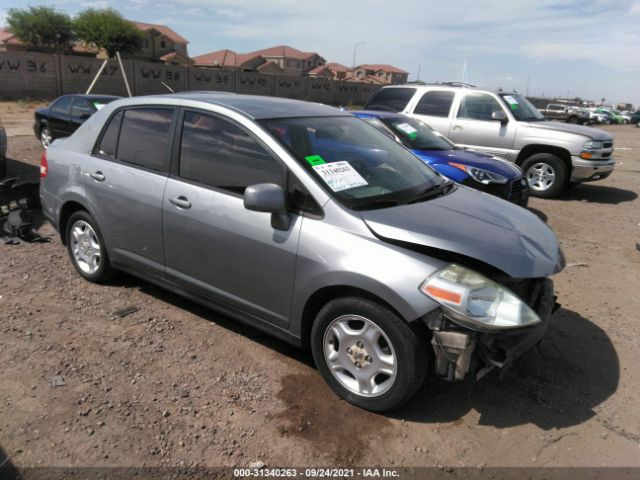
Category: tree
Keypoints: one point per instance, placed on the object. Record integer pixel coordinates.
(42, 27)
(106, 28)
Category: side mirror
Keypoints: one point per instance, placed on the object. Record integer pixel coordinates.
(499, 116)
(270, 198)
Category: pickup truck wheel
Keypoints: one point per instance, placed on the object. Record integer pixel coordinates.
(87, 249)
(546, 174)
(573, 120)
(45, 135)
(367, 354)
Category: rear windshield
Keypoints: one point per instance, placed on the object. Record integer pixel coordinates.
(390, 99)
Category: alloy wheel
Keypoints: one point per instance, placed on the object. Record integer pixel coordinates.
(85, 247)
(360, 356)
(541, 176)
(45, 137)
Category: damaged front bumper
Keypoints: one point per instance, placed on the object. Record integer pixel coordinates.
(459, 350)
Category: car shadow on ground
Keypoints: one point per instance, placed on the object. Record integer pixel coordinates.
(597, 194)
(556, 385)
(574, 369)
(541, 215)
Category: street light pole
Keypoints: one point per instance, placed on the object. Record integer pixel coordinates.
(355, 47)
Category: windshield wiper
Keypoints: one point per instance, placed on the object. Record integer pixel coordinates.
(433, 191)
(372, 204)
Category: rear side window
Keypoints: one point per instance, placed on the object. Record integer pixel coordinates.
(391, 99)
(80, 107)
(109, 142)
(63, 105)
(220, 154)
(144, 137)
(435, 104)
(478, 106)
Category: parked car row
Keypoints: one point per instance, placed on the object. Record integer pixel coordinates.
(551, 154)
(321, 228)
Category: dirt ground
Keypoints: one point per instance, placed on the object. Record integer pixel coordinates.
(176, 384)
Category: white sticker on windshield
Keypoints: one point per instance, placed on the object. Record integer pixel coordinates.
(510, 100)
(406, 128)
(339, 176)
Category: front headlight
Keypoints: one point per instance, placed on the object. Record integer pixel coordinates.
(480, 174)
(474, 301)
(592, 146)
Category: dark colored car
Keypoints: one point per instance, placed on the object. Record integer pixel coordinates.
(3, 152)
(65, 114)
(474, 169)
(635, 119)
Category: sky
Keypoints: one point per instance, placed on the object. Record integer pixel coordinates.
(585, 48)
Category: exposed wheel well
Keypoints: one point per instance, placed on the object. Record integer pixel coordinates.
(325, 295)
(66, 211)
(529, 150)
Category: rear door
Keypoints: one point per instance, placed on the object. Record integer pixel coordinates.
(434, 108)
(59, 116)
(215, 246)
(473, 126)
(126, 177)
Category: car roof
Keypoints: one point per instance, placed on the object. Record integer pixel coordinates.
(256, 107)
(446, 86)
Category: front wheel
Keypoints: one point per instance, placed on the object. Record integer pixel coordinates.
(546, 174)
(86, 248)
(367, 354)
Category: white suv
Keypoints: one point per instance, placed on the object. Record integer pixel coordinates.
(552, 154)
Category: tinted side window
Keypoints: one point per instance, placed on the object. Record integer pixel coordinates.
(63, 105)
(478, 106)
(436, 104)
(80, 107)
(391, 99)
(145, 137)
(109, 142)
(219, 154)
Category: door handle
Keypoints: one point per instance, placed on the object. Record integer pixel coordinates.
(180, 202)
(457, 127)
(98, 176)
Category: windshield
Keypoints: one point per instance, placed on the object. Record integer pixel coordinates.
(521, 108)
(356, 163)
(417, 135)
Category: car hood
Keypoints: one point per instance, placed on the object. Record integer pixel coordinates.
(468, 157)
(592, 133)
(476, 225)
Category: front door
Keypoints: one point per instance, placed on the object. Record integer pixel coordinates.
(473, 126)
(126, 176)
(215, 246)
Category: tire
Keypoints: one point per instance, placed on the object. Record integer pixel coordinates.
(573, 120)
(546, 174)
(3, 167)
(638, 124)
(393, 345)
(82, 235)
(46, 137)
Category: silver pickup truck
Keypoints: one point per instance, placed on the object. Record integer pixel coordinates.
(552, 154)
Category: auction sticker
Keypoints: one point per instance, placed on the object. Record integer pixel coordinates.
(339, 176)
(408, 129)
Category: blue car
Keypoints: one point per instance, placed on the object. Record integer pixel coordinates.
(489, 174)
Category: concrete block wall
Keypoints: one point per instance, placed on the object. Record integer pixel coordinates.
(45, 76)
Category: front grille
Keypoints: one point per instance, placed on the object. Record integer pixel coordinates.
(518, 185)
(607, 144)
(605, 154)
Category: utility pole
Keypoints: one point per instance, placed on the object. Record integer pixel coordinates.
(527, 92)
(418, 78)
(355, 47)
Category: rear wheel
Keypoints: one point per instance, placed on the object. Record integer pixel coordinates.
(3, 166)
(367, 354)
(546, 174)
(573, 120)
(86, 248)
